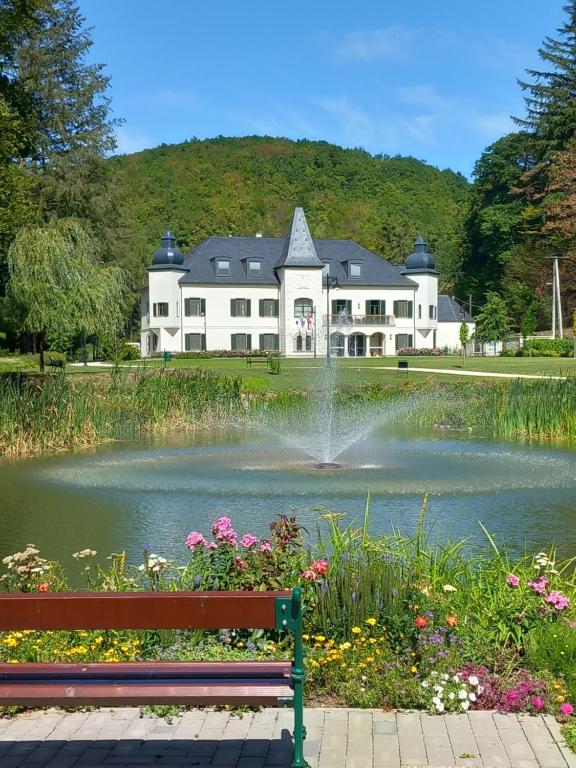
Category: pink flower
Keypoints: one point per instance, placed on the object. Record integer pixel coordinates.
(266, 547)
(537, 702)
(320, 567)
(212, 545)
(539, 585)
(566, 708)
(249, 540)
(223, 531)
(309, 575)
(558, 600)
(195, 539)
(513, 581)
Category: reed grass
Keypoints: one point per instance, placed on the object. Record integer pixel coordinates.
(59, 412)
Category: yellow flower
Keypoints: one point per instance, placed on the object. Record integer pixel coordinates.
(319, 638)
(372, 640)
(345, 646)
(449, 588)
(313, 663)
(557, 686)
(369, 659)
(371, 621)
(305, 637)
(356, 631)
(83, 634)
(240, 644)
(413, 669)
(361, 665)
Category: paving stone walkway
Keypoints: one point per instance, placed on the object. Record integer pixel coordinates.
(337, 738)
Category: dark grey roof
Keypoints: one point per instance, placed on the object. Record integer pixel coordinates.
(299, 248)
(449, 311)
(167, 253)
(201, 262)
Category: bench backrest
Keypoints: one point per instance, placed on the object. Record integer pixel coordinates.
(151, 610)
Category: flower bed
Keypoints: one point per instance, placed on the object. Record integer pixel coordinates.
(390, 622)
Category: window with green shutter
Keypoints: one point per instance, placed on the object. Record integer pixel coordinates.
(240, 307)
(269, 342)
(375, 307)
(403, 309)
(194, 342)
(241, 342)
(194, 307)
(341, 305)
(268, 307)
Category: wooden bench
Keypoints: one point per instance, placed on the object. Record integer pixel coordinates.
(55, 362)
(251, 360)
(141, 683)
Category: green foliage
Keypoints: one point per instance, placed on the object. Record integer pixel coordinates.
(65, 412)
(492, 322)
(274, 365)
(464, 336)
(548, 348)
(552, 646)
(56, 286)
(237, 186)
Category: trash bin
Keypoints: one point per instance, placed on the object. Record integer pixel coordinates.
(167, 357)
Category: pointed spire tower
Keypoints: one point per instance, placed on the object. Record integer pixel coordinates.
(299, 250)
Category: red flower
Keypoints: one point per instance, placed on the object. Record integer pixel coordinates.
(43, 587)
(421, 622)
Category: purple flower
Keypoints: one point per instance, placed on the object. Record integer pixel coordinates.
(558, 600)
(539, 585)
(249, 540)
(266, 547)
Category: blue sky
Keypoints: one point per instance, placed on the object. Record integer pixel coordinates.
(435, 80)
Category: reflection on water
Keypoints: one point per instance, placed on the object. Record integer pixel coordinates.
(155, 491)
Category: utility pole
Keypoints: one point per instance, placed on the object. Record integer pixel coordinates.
(558, 298)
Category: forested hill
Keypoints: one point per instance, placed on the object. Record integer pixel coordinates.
(240, 186)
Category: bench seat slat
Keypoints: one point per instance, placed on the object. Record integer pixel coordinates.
(139, 610)
(138, 693)
(145, 670)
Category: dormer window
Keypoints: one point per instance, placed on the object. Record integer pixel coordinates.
(223, 268)
(354, 269)
(254, 268)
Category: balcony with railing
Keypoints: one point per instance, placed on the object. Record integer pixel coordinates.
(348, 321)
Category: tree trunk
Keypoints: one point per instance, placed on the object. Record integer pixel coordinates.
(40, 347)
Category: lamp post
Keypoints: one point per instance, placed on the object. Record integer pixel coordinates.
(331, 282)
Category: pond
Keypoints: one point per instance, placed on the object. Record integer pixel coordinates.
(123, 495)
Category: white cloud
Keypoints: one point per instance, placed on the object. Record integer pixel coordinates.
(389, 43)
(132, 141)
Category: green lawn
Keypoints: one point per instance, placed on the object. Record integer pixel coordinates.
(296, 372)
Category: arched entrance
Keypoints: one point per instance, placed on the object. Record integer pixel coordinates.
(357, 345)
(377, 345)
(337, 344)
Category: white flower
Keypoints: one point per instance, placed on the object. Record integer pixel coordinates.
(451, 695)
(425, 683)
(434, 674)
(439, 688)
(473, 680)
(480, 689)
(449, 588)
(440, 707)
(462, 694)
(465, 705)
(444, 678)
(364, 678)
(456, 678)
(472, 697)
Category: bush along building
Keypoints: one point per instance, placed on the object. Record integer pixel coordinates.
(289, 295)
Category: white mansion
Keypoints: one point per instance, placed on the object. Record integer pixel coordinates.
(291, 294)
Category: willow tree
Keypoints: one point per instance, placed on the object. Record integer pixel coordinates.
(58, 288)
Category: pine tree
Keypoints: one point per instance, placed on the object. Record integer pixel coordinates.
(63, 101)
(551, 96)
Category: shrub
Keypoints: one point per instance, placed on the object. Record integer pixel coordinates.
(274, 364)
(547, 348)
(424, 352)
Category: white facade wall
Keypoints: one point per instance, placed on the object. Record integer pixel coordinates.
(218, 325)
(448, 336)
